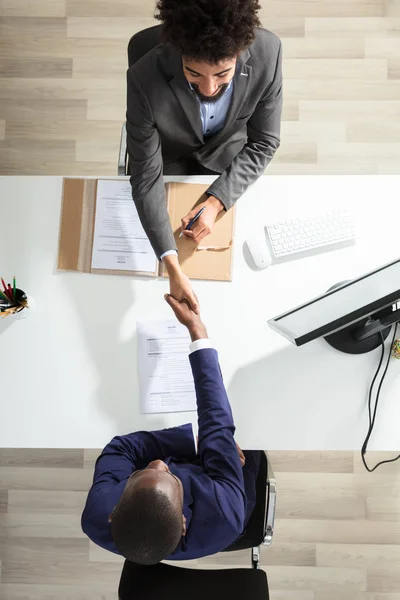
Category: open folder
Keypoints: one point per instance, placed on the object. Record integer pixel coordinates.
(100, 232)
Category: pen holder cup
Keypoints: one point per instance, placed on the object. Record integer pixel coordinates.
(23, 312)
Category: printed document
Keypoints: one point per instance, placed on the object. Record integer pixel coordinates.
(165, 376)
(119, 240)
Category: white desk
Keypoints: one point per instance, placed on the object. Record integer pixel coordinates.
(68, 372)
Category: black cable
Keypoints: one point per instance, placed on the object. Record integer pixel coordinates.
(372, 384)
(372, 418)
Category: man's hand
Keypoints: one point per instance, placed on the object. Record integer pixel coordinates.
(204, 224)
(242, 457)
(187, 317)
(180, 286)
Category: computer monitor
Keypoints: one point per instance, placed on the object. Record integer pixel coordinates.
(351, 315)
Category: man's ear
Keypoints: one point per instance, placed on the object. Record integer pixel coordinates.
(183, 525)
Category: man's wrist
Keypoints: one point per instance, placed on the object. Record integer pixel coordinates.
(198, 332)
(171, 263)
(215, 203)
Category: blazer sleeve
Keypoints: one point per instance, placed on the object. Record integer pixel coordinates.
(128, 453)
(263, 140)
(146, 168)
(217, 447)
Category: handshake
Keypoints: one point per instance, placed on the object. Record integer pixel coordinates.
(188, 317)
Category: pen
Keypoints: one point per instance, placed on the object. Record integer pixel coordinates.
(196, 216)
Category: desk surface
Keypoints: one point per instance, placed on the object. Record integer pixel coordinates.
(68, 372)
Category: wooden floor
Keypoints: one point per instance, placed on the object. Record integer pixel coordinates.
(337, 534)
(62, 84)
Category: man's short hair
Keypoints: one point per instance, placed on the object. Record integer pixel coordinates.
(146, 527)
(208, 30)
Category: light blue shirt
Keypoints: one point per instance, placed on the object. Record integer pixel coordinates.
(213, 114)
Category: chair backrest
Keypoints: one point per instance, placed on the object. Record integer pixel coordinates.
(165, 582)
(254, 533)
(143, 41)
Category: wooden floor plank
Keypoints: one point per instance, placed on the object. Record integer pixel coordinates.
(95, 590)
(33, 67)
(46, 502)
(33, 8)
(27, 549)
(28, 478)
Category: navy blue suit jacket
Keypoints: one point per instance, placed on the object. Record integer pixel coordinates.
(219, 495)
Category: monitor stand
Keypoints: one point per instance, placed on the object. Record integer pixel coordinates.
(344, 341)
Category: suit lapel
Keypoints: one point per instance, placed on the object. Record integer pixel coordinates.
(185, 96)
(241, 84)
(189, 104)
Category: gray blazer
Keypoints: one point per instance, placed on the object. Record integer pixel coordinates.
(164, 127)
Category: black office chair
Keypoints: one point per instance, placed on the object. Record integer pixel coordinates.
(138, 46)
(178, 583)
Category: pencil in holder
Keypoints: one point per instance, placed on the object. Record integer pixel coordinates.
(18, 307)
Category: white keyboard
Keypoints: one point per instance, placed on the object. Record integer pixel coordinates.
(302, 234)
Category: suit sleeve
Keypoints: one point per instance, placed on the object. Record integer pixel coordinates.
(217, 447)
(263, 140)
(128, 453)
(146, 168)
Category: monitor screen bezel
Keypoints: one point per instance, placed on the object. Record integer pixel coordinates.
(344, 321)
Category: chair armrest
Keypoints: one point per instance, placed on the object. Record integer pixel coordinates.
(122, 152)
(270, 518)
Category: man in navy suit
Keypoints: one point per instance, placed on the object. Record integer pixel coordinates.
(154, 497)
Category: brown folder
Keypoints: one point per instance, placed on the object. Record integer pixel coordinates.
(210, 260)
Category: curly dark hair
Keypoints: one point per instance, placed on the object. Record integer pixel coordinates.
(208, 30)
(146, 526)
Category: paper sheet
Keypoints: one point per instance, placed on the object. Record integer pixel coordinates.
(165, 376)
(119, 240)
